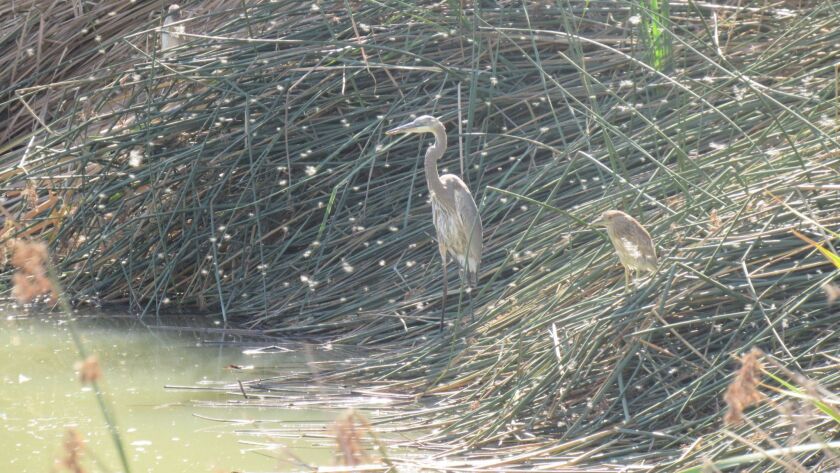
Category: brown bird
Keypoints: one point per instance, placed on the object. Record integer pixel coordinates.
(631, 241)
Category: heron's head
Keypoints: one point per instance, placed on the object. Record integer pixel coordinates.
(608, 217)
(421, 124)
(174, 11)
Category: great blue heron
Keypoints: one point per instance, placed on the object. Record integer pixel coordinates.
(631, 241)
(454, 213)
(169, 36)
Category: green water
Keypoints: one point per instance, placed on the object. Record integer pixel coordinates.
(162, 429)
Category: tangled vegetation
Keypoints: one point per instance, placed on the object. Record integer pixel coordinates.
(247, 175)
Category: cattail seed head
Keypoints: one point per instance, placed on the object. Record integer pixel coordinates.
(89, 370)
(30, 280)
(742, 392)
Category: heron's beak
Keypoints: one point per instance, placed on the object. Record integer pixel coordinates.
(598, 222)
(407, 128)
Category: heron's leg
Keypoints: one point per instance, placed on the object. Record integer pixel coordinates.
(466, 289)
(445, 284)
(472, 309)
(474, 285)
(627, 279)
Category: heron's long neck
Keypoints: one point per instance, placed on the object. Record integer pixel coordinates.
(434, 153)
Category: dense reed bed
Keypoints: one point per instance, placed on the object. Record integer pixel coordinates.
(246, 174)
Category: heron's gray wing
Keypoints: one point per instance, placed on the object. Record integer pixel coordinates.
(470, 221)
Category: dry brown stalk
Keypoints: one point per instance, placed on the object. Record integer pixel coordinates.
(30, 280)
(30, 194)
(7, 244)
(742, 391)
(714, 221)
(349, 430)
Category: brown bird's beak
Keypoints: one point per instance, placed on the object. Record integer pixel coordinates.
(598, 222)
(407, 128)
